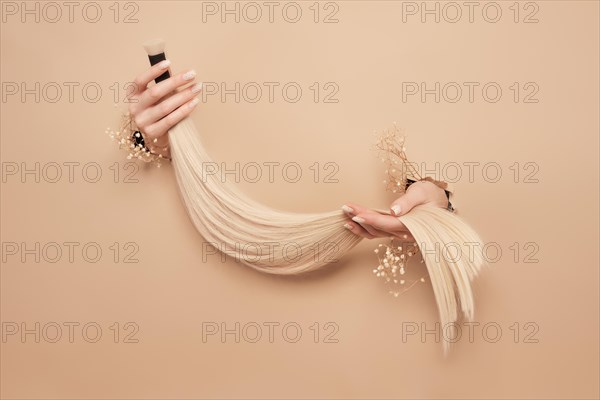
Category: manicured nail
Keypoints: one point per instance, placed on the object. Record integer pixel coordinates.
(164, 64)
(348, 226)
(358, 219)
(197, 87)
(194, 102)
(347, 209)
(189, 75)
(396, 210)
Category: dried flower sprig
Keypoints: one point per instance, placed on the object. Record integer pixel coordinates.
(393, 263)
(130, 139)
(392, 152)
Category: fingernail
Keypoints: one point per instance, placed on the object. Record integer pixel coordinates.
(189, 75)
(347, 209)
(358, 219)
(164, 64)
(348, 226)
(197, 87)
(396, 210)
(194, 102)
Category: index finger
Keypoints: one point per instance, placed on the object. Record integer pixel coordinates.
(141, 81)
(353, 209)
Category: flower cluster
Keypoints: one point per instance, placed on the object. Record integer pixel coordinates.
(131, 140)
(390, 146)
(392, 153)
(393, 263)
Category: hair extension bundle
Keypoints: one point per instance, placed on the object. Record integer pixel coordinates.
(447, 246)
(268, 240)
(279, 242)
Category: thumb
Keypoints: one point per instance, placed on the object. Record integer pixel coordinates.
(405, 203)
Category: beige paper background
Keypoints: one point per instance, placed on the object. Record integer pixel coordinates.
(171, 292)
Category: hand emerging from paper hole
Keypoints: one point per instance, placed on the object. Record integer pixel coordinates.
(371, 224)
(157, 108)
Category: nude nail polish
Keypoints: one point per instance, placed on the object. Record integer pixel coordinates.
(189, 75)
(193, 103)
(164, 64)
(358, 219)
(347, 209)
(197, 87)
